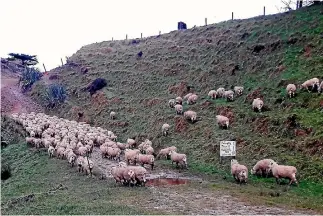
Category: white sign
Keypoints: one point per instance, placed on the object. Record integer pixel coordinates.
(227, 148)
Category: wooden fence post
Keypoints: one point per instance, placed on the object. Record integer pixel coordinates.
(159, 32)
(44, 67)
(126, 37)
(206, 21)
(112, 38)
(232, 15)
(264, 10)
(141, 35)
(62, 61)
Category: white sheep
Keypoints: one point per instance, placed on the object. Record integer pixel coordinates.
(87, 166)
(179, 109)
(187, 96)
(178, 158)
(140, 174)
(220, 92)
(165, 129)
(51, 151)
(131, 142)
(262, 167)
(238, 90)
(222, 121)
(191, 115)
(171, 103)
(212, 94)
(238, 171)
(257, 104)
(310, 83)
(192, 99)
(179, 100)
(291, 89)
(146, 159)
(112, 115)
(229, 95)
(320, 89)
(165, 152)
(282, 171)
(131, 155)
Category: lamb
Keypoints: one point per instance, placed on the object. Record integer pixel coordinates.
(165, 129)
(51, 151)
(238, 90)
(262, 167)
(171, 103)
(112, 115)
(222, 121)
(282, 171)
(229, 95)
(131, 155)
(146, 159)
(179, 109)
(178, 100)
(220, 92)
(178, 158)
(310, 83)
(257, 104)
(165, 152)
(238, 171)
(192, 99)
(291, 89)
(212, 94)
(131, 143)
(191, 115)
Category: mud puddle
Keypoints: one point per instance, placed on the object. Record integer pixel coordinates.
(166, 181)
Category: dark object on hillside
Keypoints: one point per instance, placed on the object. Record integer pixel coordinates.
(84, 70)
(257, 48)
(5, 171)
(135, 41)
(140, 54)
(97, 84)
(28, 77)
(4, 144)
(53, 77)
(25, 59)
(181, 25)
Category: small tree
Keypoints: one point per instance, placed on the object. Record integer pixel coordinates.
(25, 59)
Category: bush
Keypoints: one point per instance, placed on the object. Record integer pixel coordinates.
(97, 84)
(55, 95)
(5, 171)
(29, 77)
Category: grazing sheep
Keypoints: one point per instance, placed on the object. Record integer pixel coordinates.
(291, 89)
(71, 157)
(238, 90)
(149, 150)
(114, 153)
(262, 167)
(187, 96)
(222, 121)
(30, 140)
(171, 103)
(257, 104)
(310, 83)
(79, 162)
(238, 171)
(146, 159)
(212, 94)
(165, 152)
(112, 115)
(82, 151)
(140, 174)
(131, 143)
(165, 129)
(179, 109)
(229, 95)
(179, 100)
(220, 92)
(282, 171)
(104, 150)
(131, 155)
(60, 152)
(123, 175)
(87, 166)
(191, 115)
(178, 158)
(192, 99)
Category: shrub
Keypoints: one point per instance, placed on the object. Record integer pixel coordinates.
(28, 77)
(5, 171)
(97, 84)
(55, 95)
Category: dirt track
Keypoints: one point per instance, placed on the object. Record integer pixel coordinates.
(174, 199)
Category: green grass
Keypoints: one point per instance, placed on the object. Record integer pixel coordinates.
(187, 57)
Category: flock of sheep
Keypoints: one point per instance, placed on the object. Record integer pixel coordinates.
(265, 166)
(74, 141)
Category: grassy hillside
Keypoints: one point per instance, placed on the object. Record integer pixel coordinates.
(262, 54)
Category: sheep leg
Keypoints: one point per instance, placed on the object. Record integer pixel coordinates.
(277, 181)
(152, 166)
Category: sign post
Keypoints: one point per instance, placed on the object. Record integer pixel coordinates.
(227, 149)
